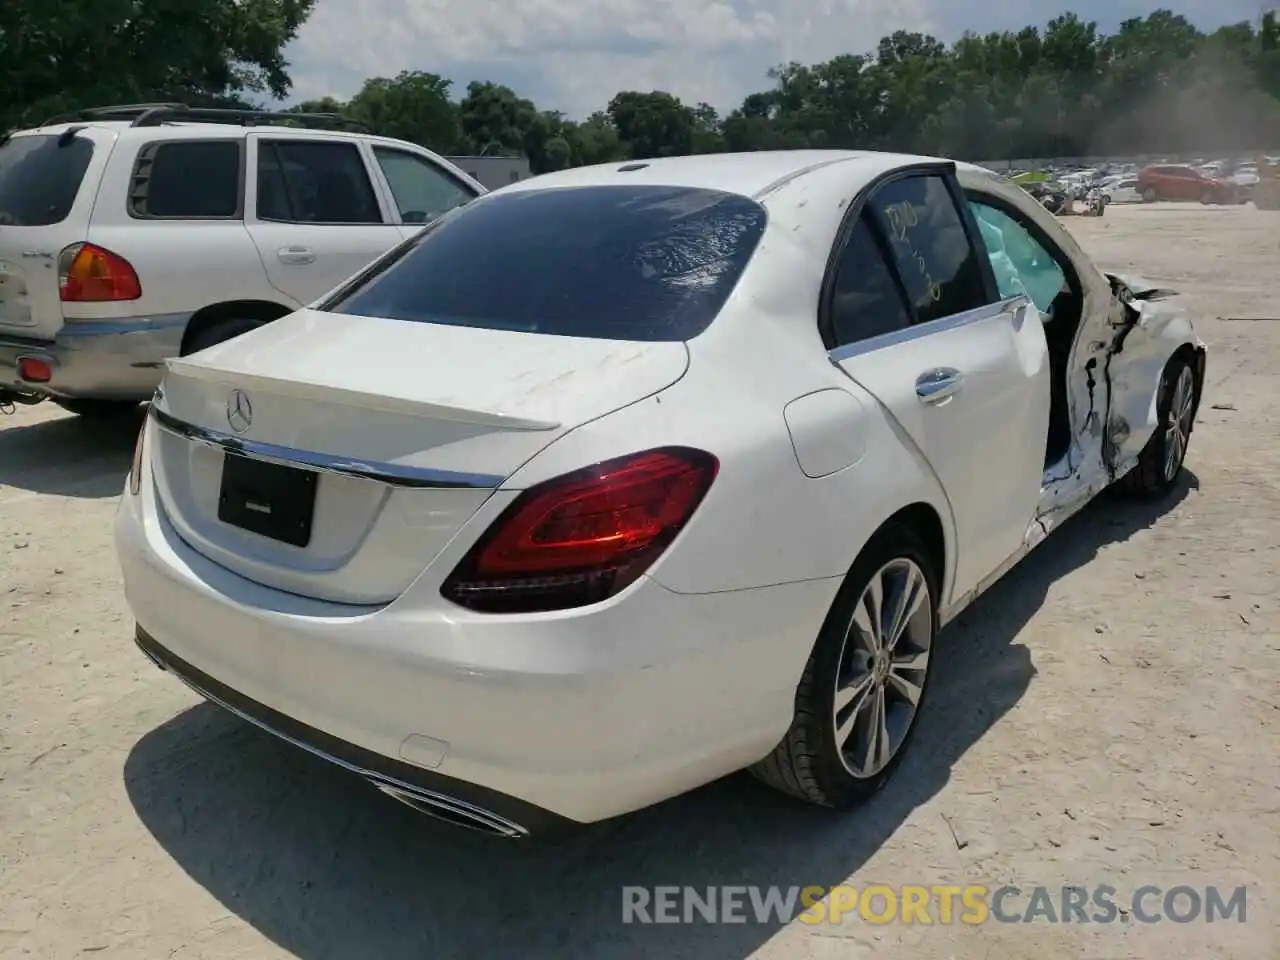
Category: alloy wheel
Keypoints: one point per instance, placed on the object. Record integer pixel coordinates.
(882, 668)
(1178, 424)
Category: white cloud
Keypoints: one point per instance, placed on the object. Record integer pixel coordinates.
(573, 55)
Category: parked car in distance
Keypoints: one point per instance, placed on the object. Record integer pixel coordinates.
(693, 488)
(132, 234)
(1121, 191)
(1172, 182)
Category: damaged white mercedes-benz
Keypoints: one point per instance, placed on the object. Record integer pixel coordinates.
(626, 477)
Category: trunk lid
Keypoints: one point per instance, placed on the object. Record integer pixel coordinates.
(406, 429)
(48, 183)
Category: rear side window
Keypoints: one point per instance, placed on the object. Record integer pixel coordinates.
(865, 300)
(39, 179)
(928, 242)
(187, 180)
(615, 262)
(301, 181)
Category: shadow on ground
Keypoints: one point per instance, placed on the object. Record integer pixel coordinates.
(69, 456)
(324, 866)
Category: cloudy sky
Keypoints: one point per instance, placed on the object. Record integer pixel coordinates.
(573, 55)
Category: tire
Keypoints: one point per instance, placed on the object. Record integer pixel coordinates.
(92, 409)
(1208, 198)
(1149, 195)
(1160, 463)
(809, 763)
(220, 332)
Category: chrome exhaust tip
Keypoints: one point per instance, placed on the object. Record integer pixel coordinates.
(456, 812)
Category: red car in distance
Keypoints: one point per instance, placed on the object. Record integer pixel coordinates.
(1176, 182)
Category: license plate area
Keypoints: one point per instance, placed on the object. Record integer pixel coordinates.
(268, 499)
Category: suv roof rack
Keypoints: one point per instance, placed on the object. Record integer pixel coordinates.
(156, 114)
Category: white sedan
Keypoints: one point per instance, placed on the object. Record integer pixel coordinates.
(1121, 191)
(627, 477)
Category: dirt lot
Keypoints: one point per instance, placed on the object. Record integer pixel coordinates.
(1110, 713)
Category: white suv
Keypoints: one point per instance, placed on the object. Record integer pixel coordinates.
(132, 234)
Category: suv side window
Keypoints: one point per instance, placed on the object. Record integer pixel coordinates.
(187, 180)
(866, 300)
(422, 190)
(312, 181)
(936, 262)
(1021, 263)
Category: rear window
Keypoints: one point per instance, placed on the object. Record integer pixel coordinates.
(614, 262)
(39, 179)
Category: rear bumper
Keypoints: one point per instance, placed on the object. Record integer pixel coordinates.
(579, 715)
(497, 812)
(98, 359)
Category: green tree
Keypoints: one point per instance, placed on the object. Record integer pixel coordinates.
(1156, 85)
(496, 120)
(67, 54)
(413, 106)
(652, 124)
(596, 140)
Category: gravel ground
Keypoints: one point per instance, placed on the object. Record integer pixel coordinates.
(1109, 713)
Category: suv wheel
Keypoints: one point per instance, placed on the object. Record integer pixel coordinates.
(1208, 197)
(220, 331)
(1149, 195)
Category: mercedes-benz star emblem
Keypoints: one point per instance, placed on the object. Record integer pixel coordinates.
(239, 411)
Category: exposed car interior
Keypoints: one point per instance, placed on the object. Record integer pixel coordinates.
(1024, 265)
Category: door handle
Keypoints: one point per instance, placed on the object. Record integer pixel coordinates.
(296, 255)
(938, 385)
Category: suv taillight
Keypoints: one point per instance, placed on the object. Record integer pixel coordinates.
(88, 273)
(580, 538)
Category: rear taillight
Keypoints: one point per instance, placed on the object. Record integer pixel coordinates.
(135, 469)
(34, 369)
(89, 274)
(582, 537)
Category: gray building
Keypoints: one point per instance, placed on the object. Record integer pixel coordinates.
(494, 172)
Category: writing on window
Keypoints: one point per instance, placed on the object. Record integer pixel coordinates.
(903, 219)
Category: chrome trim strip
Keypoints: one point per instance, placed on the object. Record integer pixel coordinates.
(392, 474)
(978, 314)
(388, 785)
(457, 813)
(78, 327)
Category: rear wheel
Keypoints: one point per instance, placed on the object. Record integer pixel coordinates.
(1149, 195)
(865, 681)
(97, 409)
(1209, 197)
(219, 332)
(1161, 460)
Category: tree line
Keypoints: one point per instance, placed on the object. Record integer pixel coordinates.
(1156, 85)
